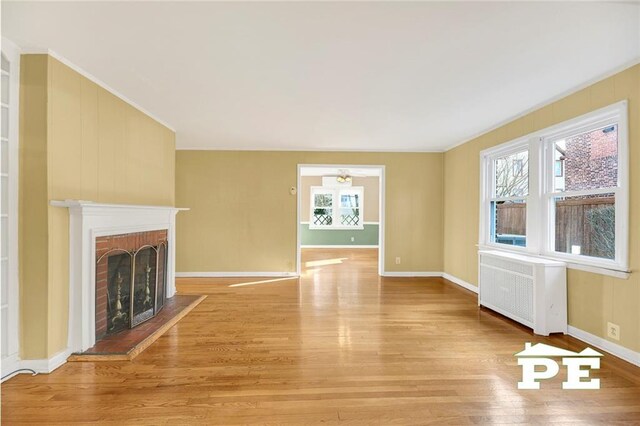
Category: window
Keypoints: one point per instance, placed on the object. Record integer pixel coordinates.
(509, 197)
(561, 192)
(322, 208)
(336, 208)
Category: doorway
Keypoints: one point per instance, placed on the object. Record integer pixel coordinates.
(340, 207)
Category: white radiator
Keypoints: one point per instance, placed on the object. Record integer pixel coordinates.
(529, 290)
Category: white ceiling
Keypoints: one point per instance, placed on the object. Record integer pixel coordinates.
(333, 76)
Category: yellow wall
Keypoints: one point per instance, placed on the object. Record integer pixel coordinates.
(96, 147)
(593, 299)
(370, 189)
(243, 219)
(33, 242)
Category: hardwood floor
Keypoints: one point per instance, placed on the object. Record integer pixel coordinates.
(340, 345)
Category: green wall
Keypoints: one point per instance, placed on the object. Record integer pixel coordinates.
(334, 237)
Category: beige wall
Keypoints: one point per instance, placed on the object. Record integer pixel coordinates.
(78, 141)
(33, 242)
(593, 299)
(371, 194)
(243, 218)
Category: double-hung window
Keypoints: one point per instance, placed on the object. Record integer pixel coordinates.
(509, 192)
(561, 192)
(336, 208)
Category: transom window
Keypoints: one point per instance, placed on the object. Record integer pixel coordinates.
(336, 208)
(561, 192)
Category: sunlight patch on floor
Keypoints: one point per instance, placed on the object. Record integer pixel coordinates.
(325, 262)
(263, 281)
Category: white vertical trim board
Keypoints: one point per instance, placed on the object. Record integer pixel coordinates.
(606, 345)
(12, 326)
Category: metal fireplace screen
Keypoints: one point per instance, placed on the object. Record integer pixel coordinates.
(136, 285)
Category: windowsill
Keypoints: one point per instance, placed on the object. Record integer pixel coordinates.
(336, 228)
(571, 263)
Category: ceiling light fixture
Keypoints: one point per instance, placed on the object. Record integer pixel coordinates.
(342, 178)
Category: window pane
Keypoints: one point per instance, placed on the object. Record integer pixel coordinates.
(349, 200)
(590, 160)
(350, 217)
(586, 225)
(323, 200)
(509, 222)
(512, 175)
(322, 217)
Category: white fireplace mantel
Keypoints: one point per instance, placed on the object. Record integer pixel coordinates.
(87, 221)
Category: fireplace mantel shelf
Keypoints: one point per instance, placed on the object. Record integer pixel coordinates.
(93, 205)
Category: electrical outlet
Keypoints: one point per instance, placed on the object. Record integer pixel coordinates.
(613, 330)
(353, 239)
(397, 260)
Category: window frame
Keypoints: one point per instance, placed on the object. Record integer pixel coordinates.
(336, 206)
(540, 214)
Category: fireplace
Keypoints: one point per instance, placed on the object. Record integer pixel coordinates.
(133, 231)
(131, 280)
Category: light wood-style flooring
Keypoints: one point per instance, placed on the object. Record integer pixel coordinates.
(340, 345)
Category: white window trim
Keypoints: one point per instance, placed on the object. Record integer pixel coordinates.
(540, 236)
(335, 226)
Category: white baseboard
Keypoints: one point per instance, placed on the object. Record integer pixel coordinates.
(460, 282)
(9, 365)
(40, 366)
(233, 274)
(591, 339)
(444, 275)
(340, 246)
(411, 274)
(606, 345)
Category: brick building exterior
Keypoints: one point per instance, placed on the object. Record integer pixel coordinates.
(591, 160)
